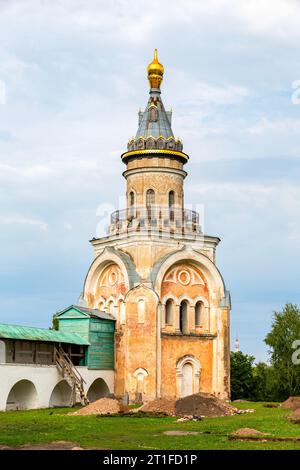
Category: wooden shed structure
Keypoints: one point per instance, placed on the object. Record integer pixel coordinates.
(95, 327)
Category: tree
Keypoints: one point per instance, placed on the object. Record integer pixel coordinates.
(285, 330)
(264, 380)
(55, 323)
(241, 375)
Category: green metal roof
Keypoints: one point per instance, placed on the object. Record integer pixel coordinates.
(89, 312)
(40, 334)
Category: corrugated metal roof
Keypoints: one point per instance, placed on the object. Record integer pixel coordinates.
(91, 312)
(39, 334)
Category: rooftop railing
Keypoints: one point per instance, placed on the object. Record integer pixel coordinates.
(156, 218)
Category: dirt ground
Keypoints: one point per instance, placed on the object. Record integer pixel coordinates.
(56, 445)
(292, 403)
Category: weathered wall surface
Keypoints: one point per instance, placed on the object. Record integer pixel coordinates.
(141, 343)
(177, 347)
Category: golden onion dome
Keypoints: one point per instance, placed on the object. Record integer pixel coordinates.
(155, 72)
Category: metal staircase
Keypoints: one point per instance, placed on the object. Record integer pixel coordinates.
(69, 372)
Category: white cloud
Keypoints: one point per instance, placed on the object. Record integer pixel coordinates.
(19, 220)
(265, 125)
(75, 77)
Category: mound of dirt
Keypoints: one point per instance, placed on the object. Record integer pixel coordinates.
(159, 405)
(203, 405)
(193, 406)
(292, 403)
(245, 432)
(295, 416)
(103, 406)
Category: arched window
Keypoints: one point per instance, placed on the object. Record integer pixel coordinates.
(198, 313)
(111, 308)
(171, 204)
(150, 198)
(169, 312)
(150, 201)
(131, 198)
(183, 317)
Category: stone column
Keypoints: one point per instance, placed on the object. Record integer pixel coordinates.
(191, 318)
(163, 315)
(159, 315)
(206, 320)
(177, 318)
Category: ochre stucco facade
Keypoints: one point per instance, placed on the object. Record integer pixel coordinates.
(156, 273)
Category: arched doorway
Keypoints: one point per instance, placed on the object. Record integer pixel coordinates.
(187, 380)
(188, 372)
(140, 374)
(22, 396)
(98, 389)
(183, 317)
(61, 395)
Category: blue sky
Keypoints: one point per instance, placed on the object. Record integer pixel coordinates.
(74, 79)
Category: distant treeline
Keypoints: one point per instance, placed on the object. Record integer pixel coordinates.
(280, 379)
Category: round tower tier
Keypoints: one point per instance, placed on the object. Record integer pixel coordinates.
(155, 181)
(156, 153)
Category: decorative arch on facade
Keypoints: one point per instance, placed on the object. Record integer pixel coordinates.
(185, 298)
(208, 270)
(101, 304)
(140, 374)
(188, 373)
(112, 273)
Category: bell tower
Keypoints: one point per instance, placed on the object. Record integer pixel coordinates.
(155, 170)
(155, 272)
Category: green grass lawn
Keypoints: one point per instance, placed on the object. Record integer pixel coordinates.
(42, 426)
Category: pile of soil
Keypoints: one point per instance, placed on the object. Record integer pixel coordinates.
(292, 403)
(203, 405)
(193, 406)
(103, 406)
(159, 405)
(295, 416)
(246, 432)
